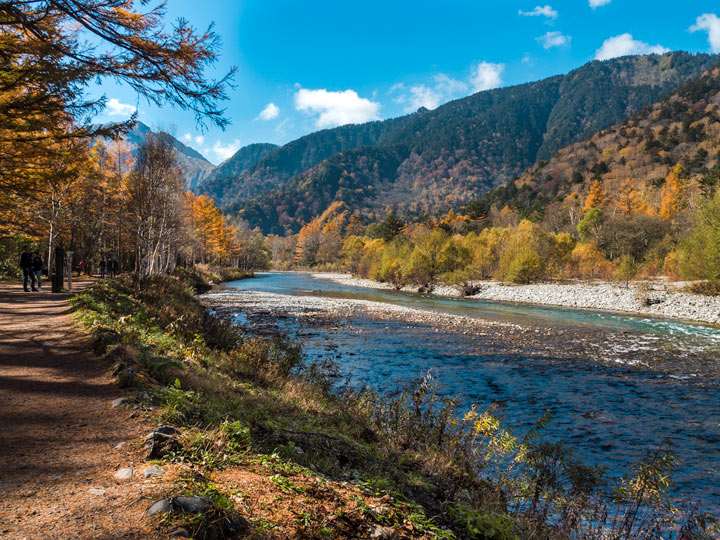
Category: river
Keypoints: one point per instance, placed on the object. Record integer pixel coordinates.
(617, 385)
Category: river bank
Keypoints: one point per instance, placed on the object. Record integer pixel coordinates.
(602, 374)
(656, 300)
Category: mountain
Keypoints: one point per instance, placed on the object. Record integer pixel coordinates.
(281, 164)
(194, 166)
(656, 162)
(431, 161)
(235, 165)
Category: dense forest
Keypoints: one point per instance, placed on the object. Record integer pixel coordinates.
(430, 162)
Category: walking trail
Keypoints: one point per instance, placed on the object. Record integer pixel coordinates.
(59, 433)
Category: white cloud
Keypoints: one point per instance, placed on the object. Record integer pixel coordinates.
(336, 108)
(483, 76)
(188, 139)
(486, 76)
(554, 39)
(540, 11)
(225, 151)
(443, 90)
(270, 112)
(115, 108)
(597, 3)
(710, 23)
(624, 45)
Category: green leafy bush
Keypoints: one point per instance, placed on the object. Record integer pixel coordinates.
(482, 526)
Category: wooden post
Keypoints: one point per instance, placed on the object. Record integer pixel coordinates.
(68, 269)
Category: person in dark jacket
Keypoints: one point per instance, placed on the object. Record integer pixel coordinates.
(37, 269)
(26, 263)
(102, 268)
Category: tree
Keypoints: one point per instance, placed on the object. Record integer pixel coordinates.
(53, 49)
(391, 227)
(672, 196)
(591, 224)
(627, 269)
(596, 197)
(628, 200)
(699, 253)
(56, 47)
(155, 204)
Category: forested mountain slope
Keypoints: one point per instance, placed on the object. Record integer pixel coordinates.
(431, 161)
(230, 185)
(246, 157)
(658, 162)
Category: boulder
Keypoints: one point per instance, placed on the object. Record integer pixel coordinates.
(153, 471)
(218, 526)
(161, 442)
(125, 474)
(177, 505)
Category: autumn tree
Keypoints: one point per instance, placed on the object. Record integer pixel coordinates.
(208, 225)
(156, 206)
(672, 193)
(628, 200)
(699, 254)
(596, 196)
(53, 49)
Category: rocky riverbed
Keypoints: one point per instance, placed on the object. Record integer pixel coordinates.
(266, 312)
(617, 385)
(657, 300)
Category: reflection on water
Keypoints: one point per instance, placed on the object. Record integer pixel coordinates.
(657, 379)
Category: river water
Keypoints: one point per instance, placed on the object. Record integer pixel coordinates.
(617, 385)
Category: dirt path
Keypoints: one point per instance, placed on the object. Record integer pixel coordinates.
(59, 431)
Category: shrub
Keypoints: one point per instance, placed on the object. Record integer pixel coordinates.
(589, 262)
(708, 288)
(521, 266)
(480, 526)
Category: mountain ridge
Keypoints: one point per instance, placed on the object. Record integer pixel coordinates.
(433, 161)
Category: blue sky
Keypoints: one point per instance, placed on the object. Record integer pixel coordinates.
(303, 66)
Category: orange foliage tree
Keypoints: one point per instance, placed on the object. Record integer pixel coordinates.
(672, 196)
(596, 196)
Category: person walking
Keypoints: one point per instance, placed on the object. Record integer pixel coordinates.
(26, 263)
(37, 268)
(102, 268)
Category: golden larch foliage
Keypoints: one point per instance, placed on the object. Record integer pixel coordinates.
(596, 196)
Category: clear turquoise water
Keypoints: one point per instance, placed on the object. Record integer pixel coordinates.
(641, 381)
